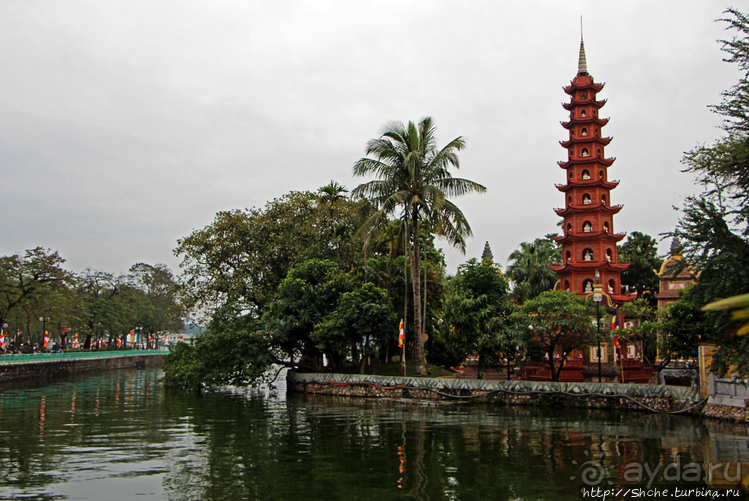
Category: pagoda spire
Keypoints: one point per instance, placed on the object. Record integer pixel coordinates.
(582, 64)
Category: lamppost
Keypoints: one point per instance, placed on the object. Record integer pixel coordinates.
(597, 298)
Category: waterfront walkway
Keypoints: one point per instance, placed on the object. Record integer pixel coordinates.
(36, 358)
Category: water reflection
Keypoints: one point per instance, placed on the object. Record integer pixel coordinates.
(119, 435)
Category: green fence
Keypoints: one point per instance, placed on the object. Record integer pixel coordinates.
(35, 358)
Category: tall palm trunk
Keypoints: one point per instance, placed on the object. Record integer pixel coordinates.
(405, 291)
(419, 357)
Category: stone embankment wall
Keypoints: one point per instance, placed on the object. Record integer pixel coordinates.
(729, 399)
(588, 395)
(718, 411)
(34, 370)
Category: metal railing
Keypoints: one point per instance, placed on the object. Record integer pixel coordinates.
(35, 358)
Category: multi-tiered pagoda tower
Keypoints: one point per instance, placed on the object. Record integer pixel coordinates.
(588, 242)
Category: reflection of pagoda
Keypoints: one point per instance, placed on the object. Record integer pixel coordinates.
(588, 241)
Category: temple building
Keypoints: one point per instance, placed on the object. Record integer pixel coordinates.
(671, 283)
(589, 253)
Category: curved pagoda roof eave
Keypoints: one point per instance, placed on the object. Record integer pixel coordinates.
(575, 84)
(596, 104)
(592, 183)
(603, 141)
(582, 209)
(566, 164)
(587, 120)
(590, 266)
(580, 237)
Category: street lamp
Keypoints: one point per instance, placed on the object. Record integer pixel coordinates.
(597, 298)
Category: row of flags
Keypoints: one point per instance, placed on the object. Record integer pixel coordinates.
(132, 339)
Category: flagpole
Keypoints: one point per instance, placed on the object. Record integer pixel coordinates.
(404, 351)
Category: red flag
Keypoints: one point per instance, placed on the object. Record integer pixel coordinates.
(75, 342)
(401, 335)
(46, 340)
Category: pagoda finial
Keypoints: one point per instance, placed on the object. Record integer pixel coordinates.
(582, 65)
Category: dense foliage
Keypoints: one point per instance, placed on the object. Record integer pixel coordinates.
(555, 323)
(476, 318)
(641, 252)
(529, 267)
(38, 294)
(714, 226)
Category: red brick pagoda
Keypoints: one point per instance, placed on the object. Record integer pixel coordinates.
(588, 241)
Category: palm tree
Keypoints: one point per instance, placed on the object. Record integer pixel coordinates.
(414, 183)
(529, 265)
(330, 195)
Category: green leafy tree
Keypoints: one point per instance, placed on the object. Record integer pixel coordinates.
(683, 326)
(529, 267)
(714, 226)
(648, 330)
(236, 353)
(363, 317)
(27, 278)
(233, 266)
(160, 287)
(477, 312)
(557, 322)
(641, 251)
(56, 309)
(306, 296)
(414, 184)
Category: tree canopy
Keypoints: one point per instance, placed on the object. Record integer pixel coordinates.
(477, 312)
(234, 266)
(714, 226)
(641, 251)
(557, 322)
(529, 267)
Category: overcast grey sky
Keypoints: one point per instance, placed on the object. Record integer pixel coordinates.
(124, 125)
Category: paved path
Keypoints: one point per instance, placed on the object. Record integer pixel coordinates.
(35, 358)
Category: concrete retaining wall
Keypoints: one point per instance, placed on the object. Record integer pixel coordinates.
(19, 372)
(591, 395)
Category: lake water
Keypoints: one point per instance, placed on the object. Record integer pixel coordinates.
(121, 435)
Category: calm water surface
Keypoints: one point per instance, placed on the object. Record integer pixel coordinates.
(121, 435)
